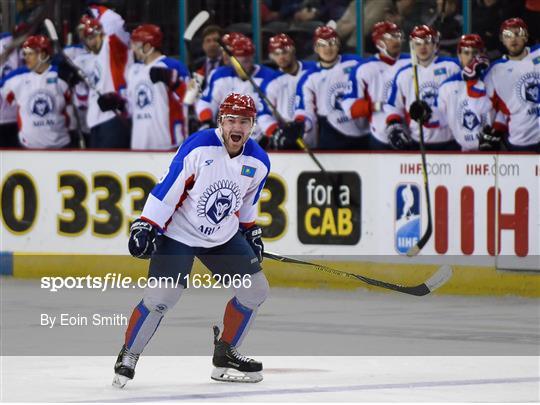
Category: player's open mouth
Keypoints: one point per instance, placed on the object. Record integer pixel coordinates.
(236, 138)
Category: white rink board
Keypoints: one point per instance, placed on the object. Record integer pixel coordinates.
(457, 178)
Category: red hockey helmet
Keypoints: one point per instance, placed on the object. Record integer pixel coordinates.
(383, 28)
(242, 46)
(280, 42)
(21, 28)
(474, 41)
(148, 34)
(229, 38)
(39, 43)
(517, 23)
(425, 33)
(325, 33)
(90, 26)
(238, 104)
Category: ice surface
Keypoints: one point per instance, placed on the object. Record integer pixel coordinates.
(479, 349)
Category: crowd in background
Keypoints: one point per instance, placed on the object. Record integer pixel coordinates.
(119, 89)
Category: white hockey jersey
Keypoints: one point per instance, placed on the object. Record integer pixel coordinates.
(159, 120)
(41, 102)
(402, 96)
(224, 81)
(8, 113)
(108, 74)
(514, 89)
(320, 92)
(465, 108)
(372, 81)
(281, 91)
(205, 194)
(82, 58)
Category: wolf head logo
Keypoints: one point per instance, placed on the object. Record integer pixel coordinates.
(221, 207)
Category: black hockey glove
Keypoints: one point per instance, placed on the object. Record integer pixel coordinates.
(68, 73)
(111, 101)
(254, 237)
(489, 139)
(420, 111)
(476, 68)
(168, 76)
(284, 138)
(142, 239)
(398, 137)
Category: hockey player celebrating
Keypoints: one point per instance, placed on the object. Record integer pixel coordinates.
(226, 80)
(217, 175)
(402, 104)
(319, 94)
(462, 103)
(40, 95)
(281, 91)
(371, 82)
(105, 104)
(513, 84)
(155, 89)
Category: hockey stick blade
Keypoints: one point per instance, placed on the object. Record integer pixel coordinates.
(441, 276)
(51, 30)
(195, 24)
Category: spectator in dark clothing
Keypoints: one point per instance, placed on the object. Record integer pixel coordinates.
(449, 22)
(488, 16)
(212, 58)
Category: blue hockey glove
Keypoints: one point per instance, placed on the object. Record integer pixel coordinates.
(142, 239)
(254, 237)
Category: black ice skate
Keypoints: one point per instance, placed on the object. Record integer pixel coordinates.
(124, 368)
(231, 366)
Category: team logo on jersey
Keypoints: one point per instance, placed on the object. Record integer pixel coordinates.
(429, 92)
(219, 201)
(528, 87)
(470, 120)
(144, 95)
(41, 104)
(407, 217)
(336, 93)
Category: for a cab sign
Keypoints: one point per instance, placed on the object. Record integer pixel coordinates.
(329, 210)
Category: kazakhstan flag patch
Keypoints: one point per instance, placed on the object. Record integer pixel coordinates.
(440, 71)
(248, 171)
(536, 60)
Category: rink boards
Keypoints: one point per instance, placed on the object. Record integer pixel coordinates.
(69, 213)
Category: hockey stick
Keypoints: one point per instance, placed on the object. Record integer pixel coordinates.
(243, 74)
(441, 276)
(196, 23)
(413, 251)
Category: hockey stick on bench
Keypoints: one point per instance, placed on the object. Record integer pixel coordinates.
(413, 251)
(441, 276)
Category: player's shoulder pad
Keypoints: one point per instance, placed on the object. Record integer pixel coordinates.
(350, 56)
(536, 51)
(404, 56)
(16, 72)
(307, 64)
(265, 72)
(253, 149)
(441, 59)
(402, 69)
(456, 77)
(4, 35)
(176, 65)
(199, 139)
(222, 72)
(495, 64)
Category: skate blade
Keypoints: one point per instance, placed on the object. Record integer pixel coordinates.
(119, 381)
(232, 375)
